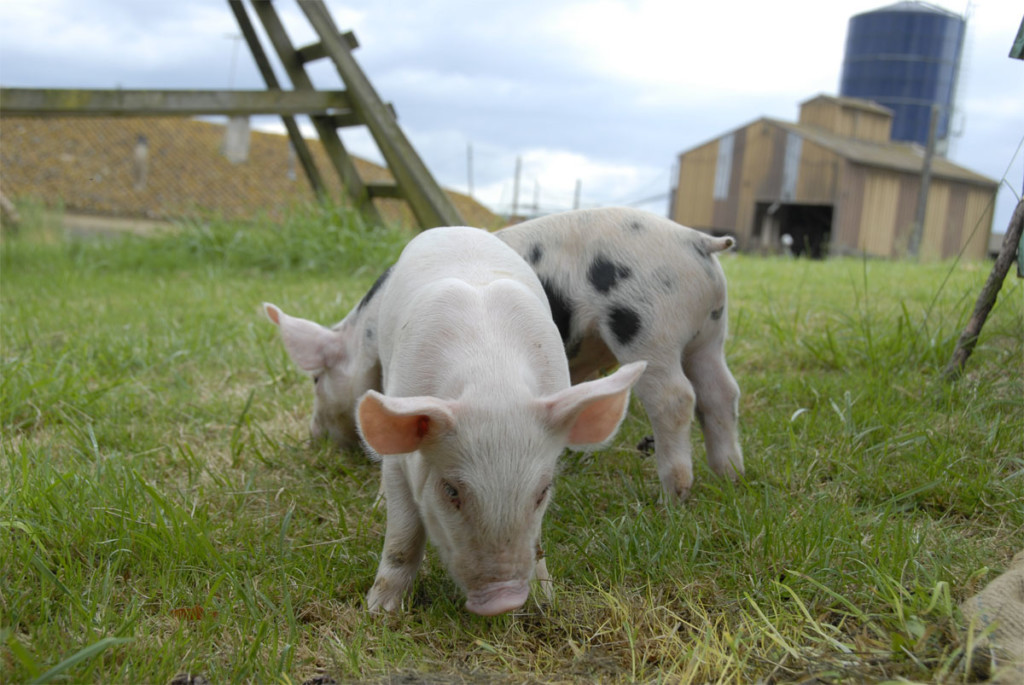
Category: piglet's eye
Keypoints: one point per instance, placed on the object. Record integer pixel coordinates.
(316, 379)
(543, 495)
(452, 494)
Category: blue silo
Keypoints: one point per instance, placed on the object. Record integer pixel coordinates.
(906, 57)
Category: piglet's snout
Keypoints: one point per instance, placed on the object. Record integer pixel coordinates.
(497, 598)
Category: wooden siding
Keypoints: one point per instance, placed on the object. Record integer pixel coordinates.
(867, 126)
(956, 210)
(906, 207)
(959, 218)
(935, 220)
(875, 215)
(846, 120)
(849, 209)
(820, 113)
(979, 208)
(694, 203)
(880, 203)
(819, 168)
(979, 212)
(761, 175)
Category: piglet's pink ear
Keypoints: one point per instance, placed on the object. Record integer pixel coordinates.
(398, 425)
(311, 346)
(592, 411)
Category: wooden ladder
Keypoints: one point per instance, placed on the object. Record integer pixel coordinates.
(413, 181)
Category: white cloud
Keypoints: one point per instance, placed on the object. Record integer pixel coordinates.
(702, 50)
(548, 179)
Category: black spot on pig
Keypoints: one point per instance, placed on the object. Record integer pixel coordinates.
(561, 310)
(535, 254)
(604, 274)
(716, 314)
(625, 324)
(374, 288)
(635, 226)
(662, 279)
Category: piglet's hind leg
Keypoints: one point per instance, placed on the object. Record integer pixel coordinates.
(668, 397)
(717, 408)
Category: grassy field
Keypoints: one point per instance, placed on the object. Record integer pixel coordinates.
(163, 513)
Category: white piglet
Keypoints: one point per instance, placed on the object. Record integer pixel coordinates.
(622, 285)
(476, 408)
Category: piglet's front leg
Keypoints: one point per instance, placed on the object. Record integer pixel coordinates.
(404, 540)
(541, 575)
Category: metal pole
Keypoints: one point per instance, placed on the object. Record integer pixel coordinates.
(926, 178)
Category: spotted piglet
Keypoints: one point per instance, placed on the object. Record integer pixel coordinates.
(624, 285)
(475, 410)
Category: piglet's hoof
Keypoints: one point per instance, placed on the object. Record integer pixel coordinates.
(676, 488)
(646, 446)
(189, 679)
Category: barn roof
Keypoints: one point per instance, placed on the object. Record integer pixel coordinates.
(851, 103)
(905, 157)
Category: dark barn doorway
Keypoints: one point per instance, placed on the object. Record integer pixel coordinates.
(809, 228)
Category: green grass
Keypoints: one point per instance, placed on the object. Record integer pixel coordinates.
(162, 512)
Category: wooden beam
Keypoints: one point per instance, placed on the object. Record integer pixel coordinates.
(389, 190)
(346, 120)
(311, 53)
(329, 138)
(302, 151)
(429, 203)
(315, 51)
(103, 103)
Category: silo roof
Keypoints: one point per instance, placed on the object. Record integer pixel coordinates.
(913, 6)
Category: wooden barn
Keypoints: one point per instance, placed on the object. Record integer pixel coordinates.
(835, 183)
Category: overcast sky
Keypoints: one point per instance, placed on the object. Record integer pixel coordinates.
(607, 92)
